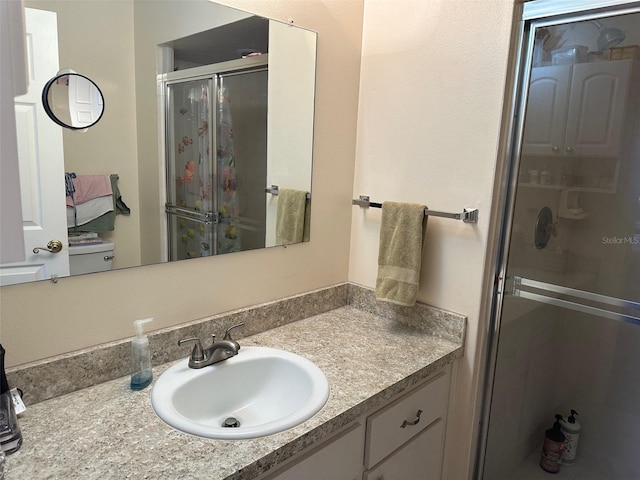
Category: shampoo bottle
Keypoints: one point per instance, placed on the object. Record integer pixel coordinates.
(571, 430)
(552, 447)
(141, 374)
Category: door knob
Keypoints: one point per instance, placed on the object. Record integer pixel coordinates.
(569, 149)
(54, 246)
(555, 149)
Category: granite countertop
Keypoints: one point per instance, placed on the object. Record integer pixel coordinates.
(111, 432)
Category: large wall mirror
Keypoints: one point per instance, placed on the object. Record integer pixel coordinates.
(206, 137)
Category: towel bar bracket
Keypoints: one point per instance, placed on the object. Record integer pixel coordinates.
(363, 201)
(469, 215)
(275, 190)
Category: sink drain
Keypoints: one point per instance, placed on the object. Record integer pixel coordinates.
(231, 422)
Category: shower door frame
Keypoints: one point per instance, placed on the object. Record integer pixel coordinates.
(239, 66)
(528, 17)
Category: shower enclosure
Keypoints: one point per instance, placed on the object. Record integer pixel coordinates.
(565, 332)
(216, 136)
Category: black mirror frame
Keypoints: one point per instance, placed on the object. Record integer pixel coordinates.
(47, 108)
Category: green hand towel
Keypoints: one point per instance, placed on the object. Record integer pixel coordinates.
(400, 255)
(291, 226)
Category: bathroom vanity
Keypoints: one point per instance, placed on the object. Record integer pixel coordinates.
(389, 382)
(391, 446)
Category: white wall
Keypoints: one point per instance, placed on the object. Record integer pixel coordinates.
(431, 94)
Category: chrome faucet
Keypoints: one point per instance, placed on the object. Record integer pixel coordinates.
(214, 353)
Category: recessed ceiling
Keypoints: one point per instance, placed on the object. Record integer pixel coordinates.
(224, 43)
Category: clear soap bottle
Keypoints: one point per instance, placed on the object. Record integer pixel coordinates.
(141, 374)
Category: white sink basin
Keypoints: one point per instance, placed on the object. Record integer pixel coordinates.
(266, 390)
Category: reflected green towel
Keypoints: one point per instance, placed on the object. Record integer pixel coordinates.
(400, 255)
(292, 224)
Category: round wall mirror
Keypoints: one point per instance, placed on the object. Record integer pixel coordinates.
(73, 101)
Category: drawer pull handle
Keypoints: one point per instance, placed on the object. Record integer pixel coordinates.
(415, 422)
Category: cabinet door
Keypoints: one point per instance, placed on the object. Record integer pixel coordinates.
(339, 459)
(546, 110)
(596, 108)
(420, 459)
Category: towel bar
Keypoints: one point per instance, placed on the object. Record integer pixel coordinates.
(469, 215)
(275, 190)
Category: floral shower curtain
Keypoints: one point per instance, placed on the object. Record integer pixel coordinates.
(191, 167)
(198, 187)
(228, 232)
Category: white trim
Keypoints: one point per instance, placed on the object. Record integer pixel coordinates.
(544, 8)
(164, 64)
(206, 71)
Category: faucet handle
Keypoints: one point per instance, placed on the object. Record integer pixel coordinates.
(227, 334)
(197, 353)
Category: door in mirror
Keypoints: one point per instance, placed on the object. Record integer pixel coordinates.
(73, 101)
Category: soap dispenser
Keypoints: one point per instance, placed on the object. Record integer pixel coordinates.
(552, 447)
(141, 374)
(571, 429)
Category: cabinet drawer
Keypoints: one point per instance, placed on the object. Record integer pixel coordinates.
(385, 430)
(420, 459)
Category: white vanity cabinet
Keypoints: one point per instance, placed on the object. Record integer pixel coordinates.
(340, 458)
(406, 438)
(402, 440)
(577, 110)
(419, 459)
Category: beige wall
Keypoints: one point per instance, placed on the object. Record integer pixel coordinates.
(43, 319)
(431, 94)
(88, 45)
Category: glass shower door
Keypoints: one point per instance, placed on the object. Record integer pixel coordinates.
(190, 170)
(216, 130)
(568, 330)
(241, 147)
